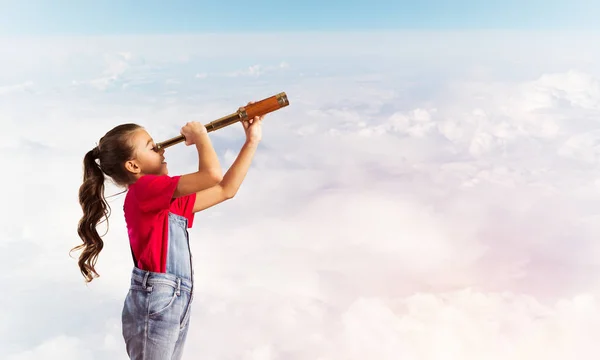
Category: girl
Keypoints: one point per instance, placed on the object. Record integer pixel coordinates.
(158, 211)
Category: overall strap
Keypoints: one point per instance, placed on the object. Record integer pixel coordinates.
(133, 256)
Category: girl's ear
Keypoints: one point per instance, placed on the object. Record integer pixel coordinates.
(132, 166)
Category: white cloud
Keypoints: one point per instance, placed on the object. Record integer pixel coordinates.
(577, 88)
(61, 347)
(469, 325)
(584, 148)
(258, 70)
(9, 89)
(463, 325)
(121, 70)
(399, 207)
(254, 70)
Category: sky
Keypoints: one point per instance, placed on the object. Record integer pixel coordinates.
(428, 194)
(178, 16)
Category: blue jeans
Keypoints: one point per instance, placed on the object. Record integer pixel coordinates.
(156, 315)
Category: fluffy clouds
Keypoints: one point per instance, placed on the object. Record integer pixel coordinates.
(8, 89)
(456, 325)
(58, 348)
(444, 211)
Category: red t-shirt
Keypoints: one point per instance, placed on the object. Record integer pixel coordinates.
(147, 205)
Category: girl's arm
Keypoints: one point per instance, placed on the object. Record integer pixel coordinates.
(232, 180)
(209, 170)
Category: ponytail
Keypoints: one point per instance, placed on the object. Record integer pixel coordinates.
(95, 207)
(116, 150)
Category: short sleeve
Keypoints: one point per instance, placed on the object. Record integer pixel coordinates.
(155, 192)
(184, 206)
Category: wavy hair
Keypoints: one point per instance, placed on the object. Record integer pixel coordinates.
(113, 150)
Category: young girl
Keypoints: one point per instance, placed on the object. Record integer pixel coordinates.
(158, 211)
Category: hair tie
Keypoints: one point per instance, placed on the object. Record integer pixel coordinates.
(96, 152)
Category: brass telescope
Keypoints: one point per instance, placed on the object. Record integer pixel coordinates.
(259, 108)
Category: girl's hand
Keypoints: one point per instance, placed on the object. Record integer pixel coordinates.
(253, 128)
(193, 132)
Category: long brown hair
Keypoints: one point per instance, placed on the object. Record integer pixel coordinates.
(113, 150)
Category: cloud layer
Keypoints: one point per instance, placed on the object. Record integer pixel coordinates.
(401, 207)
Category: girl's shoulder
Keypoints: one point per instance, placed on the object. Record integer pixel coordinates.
(153, 192)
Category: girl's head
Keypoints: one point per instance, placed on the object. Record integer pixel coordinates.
(124, 154)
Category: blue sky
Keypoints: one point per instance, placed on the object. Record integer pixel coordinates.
(119, 17)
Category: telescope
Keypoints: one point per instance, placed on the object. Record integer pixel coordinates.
(259, 108)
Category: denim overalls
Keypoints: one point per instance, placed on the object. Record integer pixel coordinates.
(156, 310)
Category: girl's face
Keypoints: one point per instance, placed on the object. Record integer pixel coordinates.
(146, 160)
